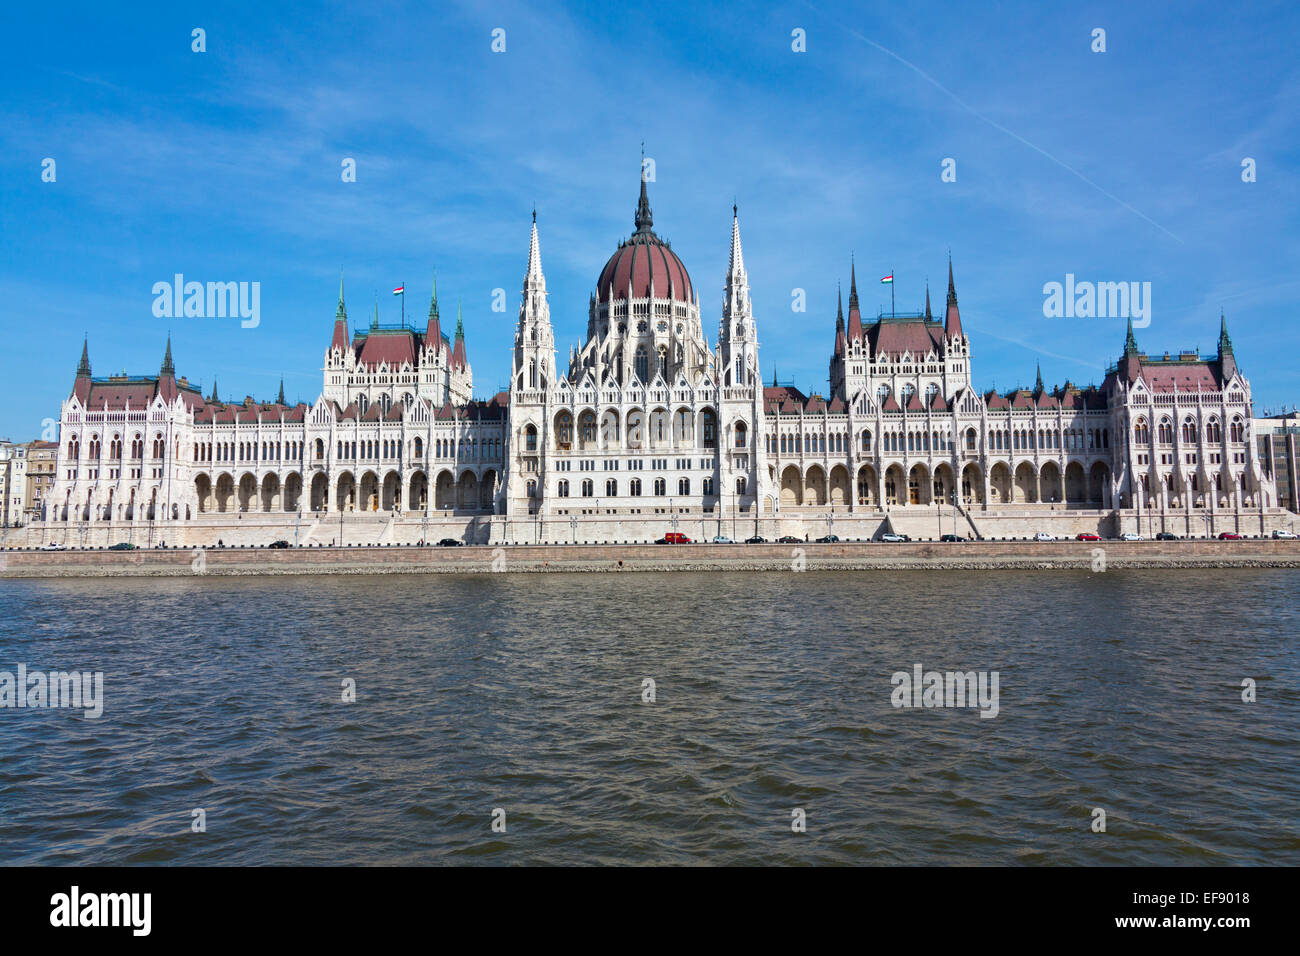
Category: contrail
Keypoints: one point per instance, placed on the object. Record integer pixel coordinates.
(998, 126)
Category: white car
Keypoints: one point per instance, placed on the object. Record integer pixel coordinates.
(1044, 536)
(1130, 536)
(722, 539)
(54, 547)
(1285, 534)
(891, 536)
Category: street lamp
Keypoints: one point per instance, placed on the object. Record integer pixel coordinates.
(573, 526)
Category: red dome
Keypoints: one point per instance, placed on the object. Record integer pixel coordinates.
(640, 259)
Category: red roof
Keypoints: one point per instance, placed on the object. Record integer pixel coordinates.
(916, 337)
(637, 262)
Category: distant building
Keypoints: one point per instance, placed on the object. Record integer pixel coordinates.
(42, 461)
(13, 482)
(1276, 436)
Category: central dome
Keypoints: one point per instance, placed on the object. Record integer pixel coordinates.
(642, 259)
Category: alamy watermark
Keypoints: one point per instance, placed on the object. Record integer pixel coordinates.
(1101, 300)
(922, 688)
(37, 689)
(212, 300)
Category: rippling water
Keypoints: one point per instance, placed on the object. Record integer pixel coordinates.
(1119, 690)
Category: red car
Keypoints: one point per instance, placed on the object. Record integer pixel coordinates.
(1229, 536)
(674, 537)
(1087, 536)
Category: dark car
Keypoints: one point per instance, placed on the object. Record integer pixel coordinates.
(949, 537)
(756, 539)
(828, 539)
(789, 539)
(450, 543)
(1166, 536)
(1229, 536)
(122, 546)
(278, 544)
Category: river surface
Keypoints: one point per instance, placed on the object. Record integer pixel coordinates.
(523, 694)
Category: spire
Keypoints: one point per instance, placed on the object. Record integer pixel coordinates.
(433, 331)
(839, 322)
(928, 316)
(1038, 381)
(1225, 342)
(214, 398)
(167, 367)
(279, 399)
(644, 217)
(952, 321)
(855, 314)
(374, 321)
(535, 278)
(340, 338)
(737, 266)
(458, 347)
(1130, 343)
(83, 367)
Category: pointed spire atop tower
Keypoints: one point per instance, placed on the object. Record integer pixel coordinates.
(168, 368)
(952, 321)
(1038, 380)
(840, 343)
(1130, 342)
(855, 314)
(340, 338)
(928, 316)
(1225, 342)
(214, 399)
(279, 399)
(83, 367)
(374, 319)
(534, 278)
(433, 331)
(458, 347)
(737, 266)
(645, 219)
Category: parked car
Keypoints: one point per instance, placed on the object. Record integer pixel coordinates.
(722, 539)
(789, 539)
(828, 539)
(1130, 536)
(1082, 536)
(52, 546)
(1044, 536)
(674, 537)
(949, 537)
(450, 543)
(756, 539)
(122, 546)
(1166, 536)
(892, 536)
(1285, 534)
(1229, 536)
(278, 544)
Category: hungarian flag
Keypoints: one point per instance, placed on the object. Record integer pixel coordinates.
(887, 279)
(399, 290)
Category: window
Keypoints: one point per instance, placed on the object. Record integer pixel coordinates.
(564, 488)
(634, 488)
(587, 489)
(564, 431)
(660, 487)
(642, 364)
(530, 438)
(711, 429)
(611, 488)
(742, 434)
(683, 486)
(740, 486)
(866, 441)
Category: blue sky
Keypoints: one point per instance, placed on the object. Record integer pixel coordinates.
(225, 166)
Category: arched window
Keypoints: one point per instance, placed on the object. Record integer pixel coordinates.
(611, 488)
(587, 489)
(1236, 432)
(530, 438)
(1213, 432)
(866, 440)
(564, 488)
(711, 429)
(1141, 433)
(663, 361)
(683, 486)
(740, 486)
(1165, 433)
(1189, 431)
(742, 434)
(642, 364)
(587, 428)
(634, 488)
(564, 430)
(660, 487)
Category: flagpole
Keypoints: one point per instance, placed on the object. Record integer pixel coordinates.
(403, 303)
(892, 313)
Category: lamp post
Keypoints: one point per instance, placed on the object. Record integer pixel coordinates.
(573, 526)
